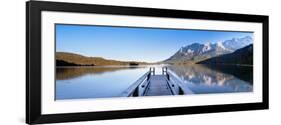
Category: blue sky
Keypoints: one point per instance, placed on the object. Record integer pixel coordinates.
(132, 44)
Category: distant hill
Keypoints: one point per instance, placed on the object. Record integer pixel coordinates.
(197, 52)
(243, 56)
(71, 59)
(64, 63)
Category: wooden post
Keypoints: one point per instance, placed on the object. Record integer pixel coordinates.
(164, 70)
(148, 76)
(136, 92)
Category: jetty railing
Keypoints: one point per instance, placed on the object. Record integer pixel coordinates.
(175, 84)
(140, 86)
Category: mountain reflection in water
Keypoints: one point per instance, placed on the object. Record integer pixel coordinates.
(111, 81)
(202, 79)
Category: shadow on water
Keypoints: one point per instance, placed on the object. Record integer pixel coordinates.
(63, 73)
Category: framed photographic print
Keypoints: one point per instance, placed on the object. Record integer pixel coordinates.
(94, 62)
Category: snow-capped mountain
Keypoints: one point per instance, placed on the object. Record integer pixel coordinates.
(242, 56)
(197, 51)
(237, 43)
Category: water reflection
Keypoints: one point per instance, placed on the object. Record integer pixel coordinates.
(111, 81)
(202, 79)
(63, 73)
(94, 82)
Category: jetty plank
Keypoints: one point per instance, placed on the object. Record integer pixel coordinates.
(158, 86)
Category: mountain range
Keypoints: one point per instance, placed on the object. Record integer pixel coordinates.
(224, 52)
(197, 52)
(243, 56)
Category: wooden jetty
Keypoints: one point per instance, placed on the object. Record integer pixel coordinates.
(151, 84)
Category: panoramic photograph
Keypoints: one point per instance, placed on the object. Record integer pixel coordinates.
(111, 61)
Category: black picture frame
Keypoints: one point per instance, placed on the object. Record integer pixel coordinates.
(33, 61)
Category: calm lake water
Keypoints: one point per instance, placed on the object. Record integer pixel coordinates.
(103, 82)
